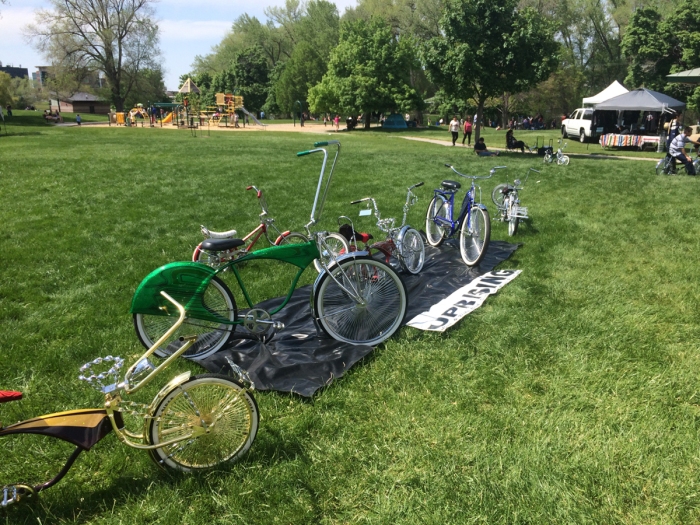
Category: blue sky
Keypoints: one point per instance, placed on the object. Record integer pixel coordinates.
(188, 28)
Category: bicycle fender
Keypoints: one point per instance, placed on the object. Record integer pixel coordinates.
(338, 260)
(83, 428)
(402, 233)
(183, 281)
(482, 206)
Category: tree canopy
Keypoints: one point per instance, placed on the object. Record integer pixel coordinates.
(369, 72)
(118, 38)
(489, 47)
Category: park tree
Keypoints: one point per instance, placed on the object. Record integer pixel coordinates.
(118, 38)
(5, 89)
(490, 47)
(369, 72)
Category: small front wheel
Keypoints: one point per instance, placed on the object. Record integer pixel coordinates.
(661, 167)
(215, 417)
(474, 236)
(563, 160)
(412, 251)
(360, 301)
(434, 232)
(332, 245)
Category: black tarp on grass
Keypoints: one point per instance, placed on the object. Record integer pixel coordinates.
(301, 361)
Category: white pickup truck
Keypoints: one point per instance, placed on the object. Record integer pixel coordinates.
(588, 124)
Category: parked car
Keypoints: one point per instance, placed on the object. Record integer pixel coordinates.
(588, 124)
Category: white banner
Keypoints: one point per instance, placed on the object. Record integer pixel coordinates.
(465, 300)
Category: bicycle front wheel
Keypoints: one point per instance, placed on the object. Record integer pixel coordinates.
(360, 301)
(412, 251)
(563, 160)
(661, 167)
(211, 336)
(333, 244)
(434, 232)
(220, 416)
(474, 236)
(291, 238)
(497, 195)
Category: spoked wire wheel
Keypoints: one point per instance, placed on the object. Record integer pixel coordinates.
(474, 236)
(412, 251)
(220, 414)
(435, 233)
(211, 336)
(333, 245)
(563, 160)
(497, 195)
(360, 301)
(293, 238)
(513, 219)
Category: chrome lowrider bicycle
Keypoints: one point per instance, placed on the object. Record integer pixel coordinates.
(355, 299)
(193, 423)
(507, 201)
(559, 157)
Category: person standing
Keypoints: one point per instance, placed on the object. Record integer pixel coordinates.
(235, 120)
(336, 122)
(78, 119)
(467, 131)
(454, 129)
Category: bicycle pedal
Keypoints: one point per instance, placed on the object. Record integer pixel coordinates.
(14, 493)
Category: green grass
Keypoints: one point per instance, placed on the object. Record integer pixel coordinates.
(570, 397)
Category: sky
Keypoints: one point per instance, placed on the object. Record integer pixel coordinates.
(187, 29)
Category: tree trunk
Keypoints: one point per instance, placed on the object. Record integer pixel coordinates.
(479, 117)
(366, 119)
(505, 112)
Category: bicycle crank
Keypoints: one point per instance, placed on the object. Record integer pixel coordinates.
(258, 321)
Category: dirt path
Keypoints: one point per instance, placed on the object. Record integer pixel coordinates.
(581, 155)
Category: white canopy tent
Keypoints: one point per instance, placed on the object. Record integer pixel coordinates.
(613, 90)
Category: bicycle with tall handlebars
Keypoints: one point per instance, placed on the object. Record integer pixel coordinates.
(559, 157)
(221, 247)
(403, 244)
(355, 299)
(507, 201)
(472, 221)
(193, 423)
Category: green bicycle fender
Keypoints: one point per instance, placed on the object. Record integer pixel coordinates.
(299, 255)
(185, 282)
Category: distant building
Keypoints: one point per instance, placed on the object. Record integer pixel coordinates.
(80, 103)
(15, 72)
(40, 75)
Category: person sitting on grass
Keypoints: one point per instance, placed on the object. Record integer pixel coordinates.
(512, 143)
(480, 149)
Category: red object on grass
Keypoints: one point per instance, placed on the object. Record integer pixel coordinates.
(9, 395)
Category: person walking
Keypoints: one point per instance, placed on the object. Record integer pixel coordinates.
(336, 122)
(78, 119)
(454, 129)
(467, 131)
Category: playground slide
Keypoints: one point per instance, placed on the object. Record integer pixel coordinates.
(168, 119)
(244, 110)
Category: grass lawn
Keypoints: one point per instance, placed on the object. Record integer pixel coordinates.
(570, 397)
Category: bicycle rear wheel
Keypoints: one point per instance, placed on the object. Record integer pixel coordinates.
(212, 402)
(474, 236)
(333, 244)
(211, 336)
(360, 301)
(412, 251)
(435, 233)
(563, 160)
